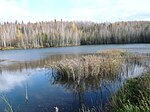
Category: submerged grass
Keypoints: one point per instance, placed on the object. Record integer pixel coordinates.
(134, 96)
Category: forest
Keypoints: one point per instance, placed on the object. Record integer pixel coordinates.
(63, 33)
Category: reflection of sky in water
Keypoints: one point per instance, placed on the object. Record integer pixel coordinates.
(41, 92)
(9, 82)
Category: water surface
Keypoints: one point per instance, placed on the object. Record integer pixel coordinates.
(30, 87)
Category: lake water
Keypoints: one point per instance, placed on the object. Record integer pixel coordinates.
(29, 86)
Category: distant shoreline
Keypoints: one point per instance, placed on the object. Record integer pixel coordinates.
(60, 33)
(12, 48)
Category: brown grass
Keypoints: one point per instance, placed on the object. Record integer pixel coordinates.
(104, 63)
(90, 65)
(112, 52)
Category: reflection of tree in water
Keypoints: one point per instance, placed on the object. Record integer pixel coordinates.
(19, 66)
(90, 83)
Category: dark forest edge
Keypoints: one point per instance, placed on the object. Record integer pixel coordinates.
(59, 33)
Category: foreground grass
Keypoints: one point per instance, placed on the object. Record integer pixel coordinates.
(134, 96)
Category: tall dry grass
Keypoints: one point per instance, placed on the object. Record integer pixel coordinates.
(104, 63)
(90, 65)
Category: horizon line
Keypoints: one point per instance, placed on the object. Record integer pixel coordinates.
(77, 21)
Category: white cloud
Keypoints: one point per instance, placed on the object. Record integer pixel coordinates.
(111, 10)
(89, 10)
(12, 10)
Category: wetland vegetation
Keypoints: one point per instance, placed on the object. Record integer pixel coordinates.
(90, 65)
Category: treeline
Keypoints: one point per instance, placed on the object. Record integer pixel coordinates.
(60, 33)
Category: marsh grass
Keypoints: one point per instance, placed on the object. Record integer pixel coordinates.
(113, 53)
(103, 63)
(87, 66)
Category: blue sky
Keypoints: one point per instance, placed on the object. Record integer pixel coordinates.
(70, 10)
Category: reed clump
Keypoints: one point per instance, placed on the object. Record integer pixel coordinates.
(90, 65)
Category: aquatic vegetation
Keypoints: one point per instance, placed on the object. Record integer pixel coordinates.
(9, 106)
(127, 57)
(85, 109)
(124, 54)
(113, 52)
(105, 63)
(134, 96)
(86, 66)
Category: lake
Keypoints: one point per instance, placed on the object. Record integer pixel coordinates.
(29, 85)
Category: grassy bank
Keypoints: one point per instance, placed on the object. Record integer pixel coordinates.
(134, 96)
